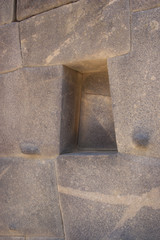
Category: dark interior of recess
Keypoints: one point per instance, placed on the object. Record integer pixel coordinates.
(87, 121)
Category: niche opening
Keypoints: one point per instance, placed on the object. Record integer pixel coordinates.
(87, 121)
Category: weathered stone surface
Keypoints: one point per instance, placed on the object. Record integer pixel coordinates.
(12, 114)
(31, 111)
(140, 5)
(71, 96)
(29, 199)
(112, 196)
(12, 238)
(88, 66)
(87, 30)
(96, 130)
(29, 8)
(6, 11)
(135, 87)
(10, 57)
(43, 238)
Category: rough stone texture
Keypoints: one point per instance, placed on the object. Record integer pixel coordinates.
(43, 238)
(110, 196)
(12, 238)
(10, 57)
(135, 87)
(31, 111)
(71, 95)
(140, 5)
(89, 66)
(103, 196)
(96, 130)
(29, 8)
(29, 199)
(6, 11)
(76, 32)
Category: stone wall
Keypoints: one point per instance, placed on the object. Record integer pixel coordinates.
(79, 120)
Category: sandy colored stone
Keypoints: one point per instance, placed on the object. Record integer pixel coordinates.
(10, 57)
(110, 196)
(12, 238)
(96, 127)
(140, 5)
(71, 96)
(43, 238)
(6, 11)
(84, 31)
(28, 8)
(135, 87)
(31, 111)
(29, 199)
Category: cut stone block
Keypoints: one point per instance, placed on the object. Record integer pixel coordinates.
(28, 8)
(29, 199)
(7, 11)
(96, 130)
(140, 5)
(109, 197)
(12, 238)
(31, 111)
(135, 86)
(43, 238)
(10, 57)
(71, 95)
(87, 30)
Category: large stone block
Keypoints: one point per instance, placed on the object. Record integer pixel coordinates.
(135, 87)
(87, 30)
(31, 111)
(140, 5)
(43, 238)
(7, 11)
(12, 238)
(110, 196)
(29, 8)
(10, 57)
(29, 200)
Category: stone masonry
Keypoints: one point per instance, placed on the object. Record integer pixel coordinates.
(79, 120)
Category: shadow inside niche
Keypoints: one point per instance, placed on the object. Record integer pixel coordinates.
(87, 122)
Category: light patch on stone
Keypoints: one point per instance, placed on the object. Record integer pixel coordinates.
(23, 41)
(34, 36)
(153, 78)
(49, 59)
(113, 1)
(154, 26)
(57, 52)
(134, 202)
(4, 172)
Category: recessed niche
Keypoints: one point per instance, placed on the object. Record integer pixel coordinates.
(87, 121)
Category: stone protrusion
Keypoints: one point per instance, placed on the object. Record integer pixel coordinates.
(135, 86)
(29, 148)
(31, 111)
